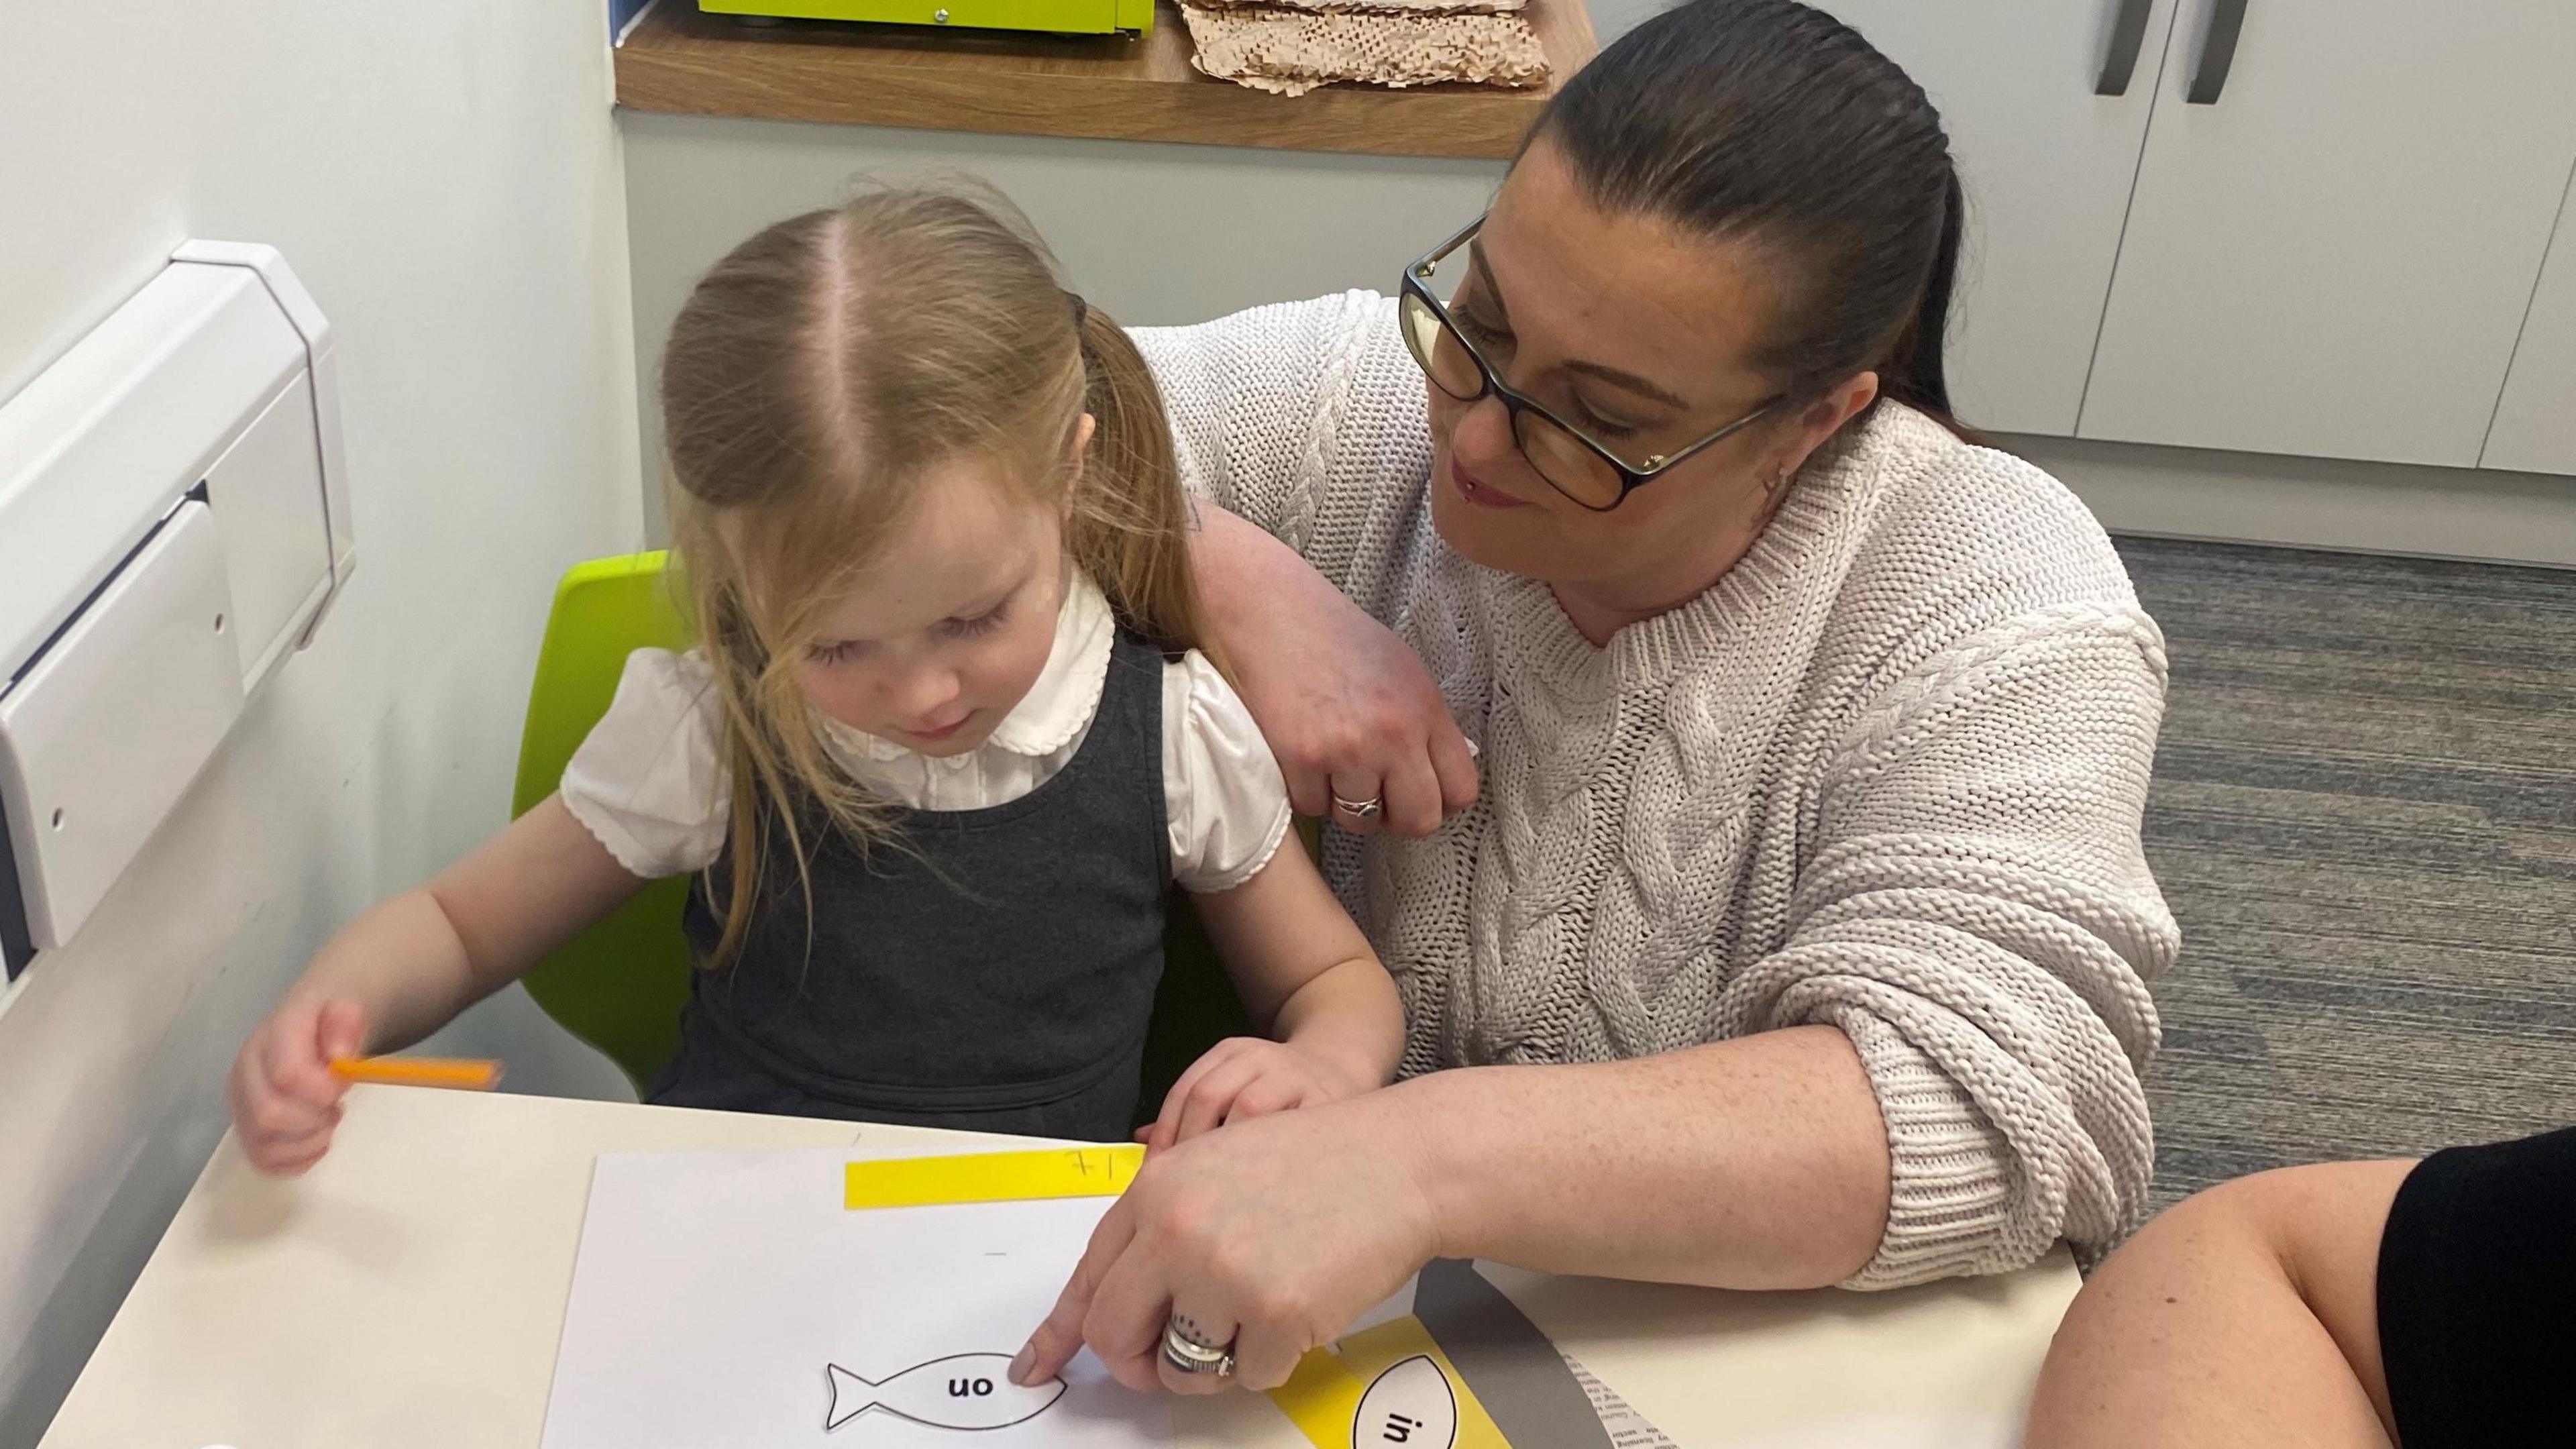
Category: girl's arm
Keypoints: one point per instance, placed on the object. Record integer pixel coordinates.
(410, 964)
(1309, 980)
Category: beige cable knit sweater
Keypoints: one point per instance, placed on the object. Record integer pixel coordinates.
(1887, 774)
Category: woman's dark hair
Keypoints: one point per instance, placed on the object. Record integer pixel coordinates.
(1772, 123)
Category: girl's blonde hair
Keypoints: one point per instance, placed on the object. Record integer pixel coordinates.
(816, 378)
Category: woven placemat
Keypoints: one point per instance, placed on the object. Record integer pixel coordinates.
(1291, 52)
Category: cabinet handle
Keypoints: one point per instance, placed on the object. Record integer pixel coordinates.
(2128, 37)
(2218, 52)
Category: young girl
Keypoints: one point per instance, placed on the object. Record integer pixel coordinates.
(939, 754)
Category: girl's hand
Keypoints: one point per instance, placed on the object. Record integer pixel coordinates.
(1274, 1236)
(285, 1097)
(1346, 705)
(1245, 1077)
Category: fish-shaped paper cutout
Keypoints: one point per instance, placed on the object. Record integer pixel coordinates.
(961, 1391)
(1409, 1404)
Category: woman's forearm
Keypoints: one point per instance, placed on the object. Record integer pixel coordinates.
(1348, 709)
(1760, 1162)
(1240, 567)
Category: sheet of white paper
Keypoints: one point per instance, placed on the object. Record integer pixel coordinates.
(729, 1301)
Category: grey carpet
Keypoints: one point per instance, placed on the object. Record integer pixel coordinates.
(2364, 816)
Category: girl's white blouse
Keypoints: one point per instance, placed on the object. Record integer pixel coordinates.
(650, 780)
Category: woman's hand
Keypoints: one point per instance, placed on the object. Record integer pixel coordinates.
(1347, 707)
(1245, 1077)
(1272, 1235)
(285, 1097)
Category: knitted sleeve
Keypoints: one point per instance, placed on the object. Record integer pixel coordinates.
(1978, 917)
(1306, 418)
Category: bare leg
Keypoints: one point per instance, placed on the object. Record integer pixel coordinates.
(2245, 1315)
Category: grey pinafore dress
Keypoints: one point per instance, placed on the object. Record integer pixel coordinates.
(993, 969)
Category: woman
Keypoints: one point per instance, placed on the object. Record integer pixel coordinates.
(1797, 933)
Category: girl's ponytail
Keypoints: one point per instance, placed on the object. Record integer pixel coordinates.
(1130, 519)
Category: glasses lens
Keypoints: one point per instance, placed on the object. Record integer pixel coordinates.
(1578, 472)
(1442, 356)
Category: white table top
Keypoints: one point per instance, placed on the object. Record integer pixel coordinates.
(408, 1293)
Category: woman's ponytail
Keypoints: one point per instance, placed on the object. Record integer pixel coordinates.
(1917, 374)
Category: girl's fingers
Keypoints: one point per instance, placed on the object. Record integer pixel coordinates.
(247, 1065)
(1261, 1098)
(267, 1109)
(340, 1031)
(288, 1058)
(295, 1166)
(1167, 1123)
(306, 1147)
(1414, 807)
(1200, 1322)
(1358, 790)
(270, 1139)
(298, 1065)
(1206, 1108)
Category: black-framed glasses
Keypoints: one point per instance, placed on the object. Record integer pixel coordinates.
(1572, 461)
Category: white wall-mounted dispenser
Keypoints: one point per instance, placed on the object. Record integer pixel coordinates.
(174, 520)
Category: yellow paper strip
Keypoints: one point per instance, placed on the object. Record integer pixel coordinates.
(1319, 1398)
(990, 1177)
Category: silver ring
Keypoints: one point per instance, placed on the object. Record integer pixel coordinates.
(1360, 809)
(1190, 1356)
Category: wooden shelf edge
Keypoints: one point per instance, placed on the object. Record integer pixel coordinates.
(1042, 107)
(679, 64)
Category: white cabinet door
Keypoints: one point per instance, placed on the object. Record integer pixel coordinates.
(2048, 165)
(2335, 257)
(2535, 428)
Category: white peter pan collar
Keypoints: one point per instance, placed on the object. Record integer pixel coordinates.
(1057, 708)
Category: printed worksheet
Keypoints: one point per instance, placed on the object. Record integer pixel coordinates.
(732, 1301)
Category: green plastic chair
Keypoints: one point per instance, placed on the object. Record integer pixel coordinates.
(619, 985)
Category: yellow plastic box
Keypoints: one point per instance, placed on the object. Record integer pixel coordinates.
(1066, 17)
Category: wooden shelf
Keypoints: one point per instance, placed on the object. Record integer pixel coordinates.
(1117, 88)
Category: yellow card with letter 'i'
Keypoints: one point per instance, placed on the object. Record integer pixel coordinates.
(1045, 1172)
(1388, 1387)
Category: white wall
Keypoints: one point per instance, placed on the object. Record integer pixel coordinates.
(1152, 232)
(445, 177)
(1614, 18)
